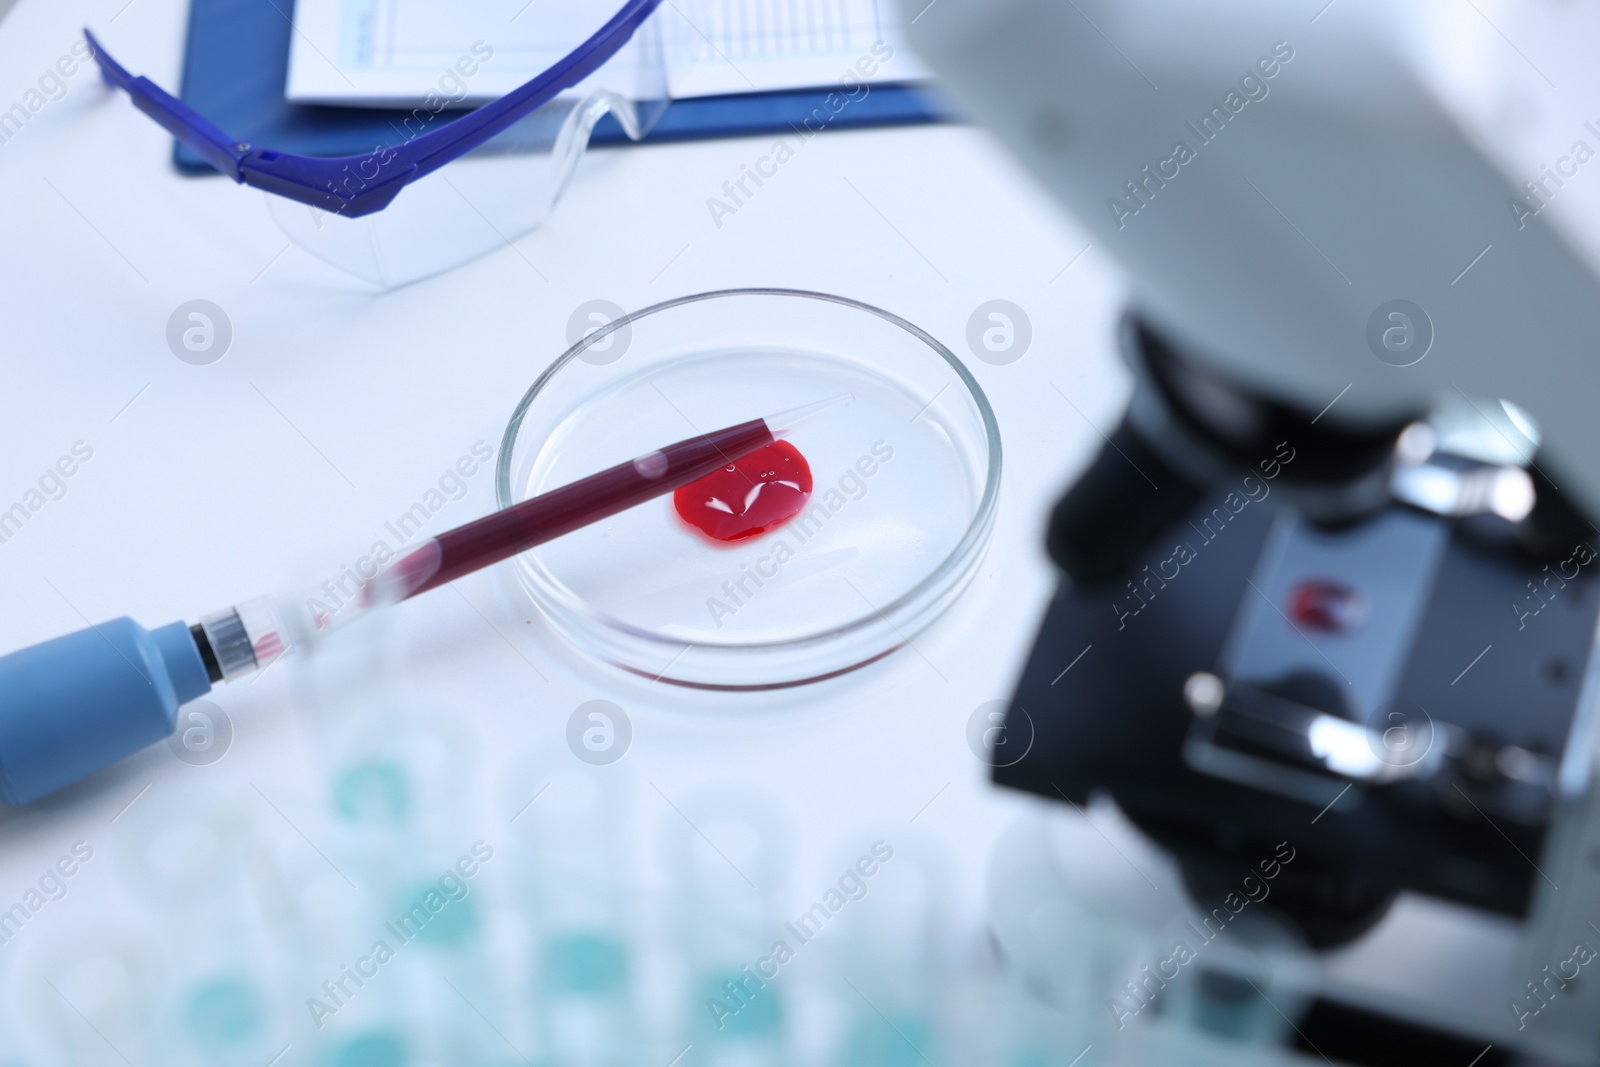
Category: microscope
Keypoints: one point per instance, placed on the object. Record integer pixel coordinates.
(1329, 589)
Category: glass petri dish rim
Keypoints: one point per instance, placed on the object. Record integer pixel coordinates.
(972, 538)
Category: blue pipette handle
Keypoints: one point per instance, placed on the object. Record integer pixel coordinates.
(75, 704)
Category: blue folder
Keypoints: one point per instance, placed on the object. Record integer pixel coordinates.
(236, 61)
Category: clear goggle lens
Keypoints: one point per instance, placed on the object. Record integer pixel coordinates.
(493, 195)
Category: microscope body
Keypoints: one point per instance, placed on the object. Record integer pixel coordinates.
(1300, 603)
(1386, 671)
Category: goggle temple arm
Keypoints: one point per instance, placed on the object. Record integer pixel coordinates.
(176, 117)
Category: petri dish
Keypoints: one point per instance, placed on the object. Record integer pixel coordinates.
(905, 483)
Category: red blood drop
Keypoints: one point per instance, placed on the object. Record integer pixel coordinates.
(1328, 606)
(754, 494)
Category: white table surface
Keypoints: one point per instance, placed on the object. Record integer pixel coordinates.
(337, 406)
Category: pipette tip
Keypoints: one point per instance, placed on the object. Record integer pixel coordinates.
(785, 421)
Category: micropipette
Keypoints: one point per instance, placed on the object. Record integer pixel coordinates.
(77, 703)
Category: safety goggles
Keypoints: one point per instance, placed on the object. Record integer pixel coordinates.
(392, 215)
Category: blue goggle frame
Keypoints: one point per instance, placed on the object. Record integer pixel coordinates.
(353, 186)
